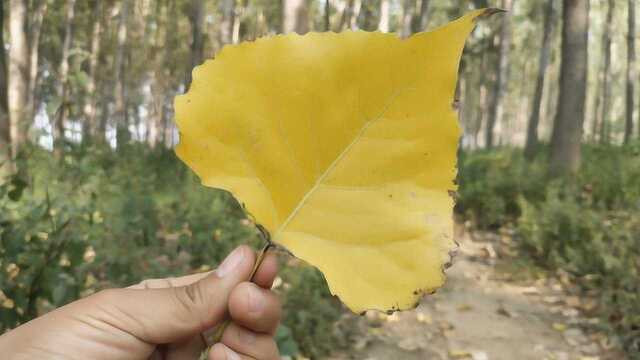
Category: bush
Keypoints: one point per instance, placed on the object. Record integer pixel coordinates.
(491, 183)
(100, 219)
(587, 225)
(310, 311)
(601, 246)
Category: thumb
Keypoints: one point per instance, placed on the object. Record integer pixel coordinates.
(161, 316)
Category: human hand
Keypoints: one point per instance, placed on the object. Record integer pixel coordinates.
(162, 318)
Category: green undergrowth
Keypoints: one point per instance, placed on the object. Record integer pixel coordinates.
(98, 219)
(587, 224)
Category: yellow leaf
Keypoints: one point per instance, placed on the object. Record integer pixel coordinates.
(559, 326)
(343, 146)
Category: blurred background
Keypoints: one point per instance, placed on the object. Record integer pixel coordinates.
(92, 196)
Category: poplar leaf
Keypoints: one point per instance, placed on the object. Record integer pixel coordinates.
(343, 146)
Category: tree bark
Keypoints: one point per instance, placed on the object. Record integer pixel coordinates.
(347, 14)
(383, 23)
(18, 75)
(545, 49)
(327, 15)
(606, 76)
(34, 44)
(295, 16)
(196, 19)
(366, 20)
(423, 19)
(228, 10)
(631, 70)
(120, 96)
(496, 107)
(567, 127)
(5, 134)
(89, 126)
(60, 118)
(408, 7)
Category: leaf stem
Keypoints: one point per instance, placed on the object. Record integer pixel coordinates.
(219, 331)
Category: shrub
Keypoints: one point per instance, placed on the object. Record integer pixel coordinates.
(100, 219)
(587, 225)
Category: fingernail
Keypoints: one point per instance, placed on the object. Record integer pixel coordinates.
(230, 263)
(230, 354)
(256, 300)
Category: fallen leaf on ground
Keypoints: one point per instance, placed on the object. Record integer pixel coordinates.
(424, 318)
(559, 326)
(504, 312)
(459, 354)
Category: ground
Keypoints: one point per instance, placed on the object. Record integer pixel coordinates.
(488, 310)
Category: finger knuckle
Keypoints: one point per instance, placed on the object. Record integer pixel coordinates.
(191, 299)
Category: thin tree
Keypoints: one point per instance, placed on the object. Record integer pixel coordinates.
(228, 11)
(60, 118)
(545, 50)
(18, 74)
(567, 127)
(408, 7)
(35, 30)
(5, 134)
(631, 69)
(327, 15)
(120, 96)
(421, 20)
(295, 16)
(196, 19)
(606, 76)
(89, 126)
(347, 15)
(383, 23)
(496, 106)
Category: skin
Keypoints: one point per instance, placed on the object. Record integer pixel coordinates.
(162, 318)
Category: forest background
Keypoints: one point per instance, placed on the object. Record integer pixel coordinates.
(92, 196)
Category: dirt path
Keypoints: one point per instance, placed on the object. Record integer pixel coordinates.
(484, 314)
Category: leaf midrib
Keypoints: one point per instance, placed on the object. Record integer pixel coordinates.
(339, 158)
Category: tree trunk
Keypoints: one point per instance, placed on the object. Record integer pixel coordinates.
(366, 20)
(34, 43)
(18, 74)
(347, 15)
(120, 96)
(423, 19)
(408, 7)
(5, 137)
(480, 114)
(62, 114)
(496, 107)
(196, 19)
(595, 113)
(327, 15)
(567, 127)
(631, 70)
(295, 16)
(545, 49)
(383, 23)
(228, 10)
(89, 126)
(355, 15)
(606, 77)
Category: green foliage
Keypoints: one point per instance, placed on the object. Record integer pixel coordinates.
(311, 311)
(587, 225)
(100, 219)
(491, 183)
